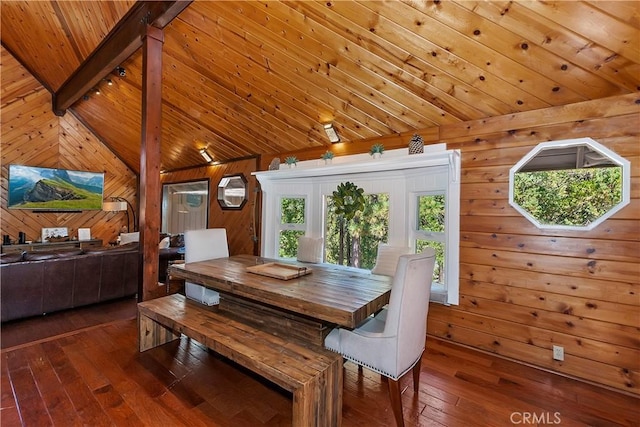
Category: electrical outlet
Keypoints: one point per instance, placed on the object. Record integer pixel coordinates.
(558, 352)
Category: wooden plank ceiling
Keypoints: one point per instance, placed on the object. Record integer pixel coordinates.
(245, 78)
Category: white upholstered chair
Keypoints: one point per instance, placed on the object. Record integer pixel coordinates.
(309, 249)
(394, 346)
(201, 245)
(387, 258)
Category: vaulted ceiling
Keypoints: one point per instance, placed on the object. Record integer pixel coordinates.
(245, 78)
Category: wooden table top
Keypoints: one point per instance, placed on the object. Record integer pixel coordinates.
(329, 293)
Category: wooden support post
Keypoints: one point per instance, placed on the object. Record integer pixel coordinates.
(150, 163)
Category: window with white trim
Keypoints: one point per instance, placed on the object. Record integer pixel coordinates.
(292, 225)
(428, 220)
(409, 182)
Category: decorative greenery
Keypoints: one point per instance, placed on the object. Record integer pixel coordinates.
(376, 148)
(348, 200)
(291, 160)
(327, 155)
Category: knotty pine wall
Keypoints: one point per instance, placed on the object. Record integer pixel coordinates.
(240, 224)
(32, 135)
(522, 289)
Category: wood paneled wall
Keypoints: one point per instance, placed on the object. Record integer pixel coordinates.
(522, 289)
(32, 135)
(240, 224)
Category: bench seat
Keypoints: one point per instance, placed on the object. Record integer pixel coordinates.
(313, 374)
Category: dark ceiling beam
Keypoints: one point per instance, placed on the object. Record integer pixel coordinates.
(123, 40)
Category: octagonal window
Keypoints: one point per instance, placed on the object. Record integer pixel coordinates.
(569, 184)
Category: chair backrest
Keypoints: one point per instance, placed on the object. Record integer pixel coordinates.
(204, 244)
(309, 249)
(409, 306)
(387, 259)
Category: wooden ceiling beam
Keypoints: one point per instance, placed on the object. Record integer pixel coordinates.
(123, 40)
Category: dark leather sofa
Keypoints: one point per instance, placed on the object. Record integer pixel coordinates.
(35, 283)
(166, 256)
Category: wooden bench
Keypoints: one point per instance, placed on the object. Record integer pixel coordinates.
(312, 374)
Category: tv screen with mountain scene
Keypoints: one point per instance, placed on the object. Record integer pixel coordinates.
(48, 189)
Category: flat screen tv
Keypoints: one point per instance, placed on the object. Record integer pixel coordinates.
(45, 189)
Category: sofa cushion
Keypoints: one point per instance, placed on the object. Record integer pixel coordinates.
(11, 257)
(40, 255)
(62, 253)
(177, 241)
(164, 243)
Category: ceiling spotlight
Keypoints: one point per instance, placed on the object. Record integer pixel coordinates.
(121, 71)
(109, 82)
(205, 155)
(96, 91)
(331, 133)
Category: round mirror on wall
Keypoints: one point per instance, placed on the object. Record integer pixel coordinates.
(232, 191)
(569, 184)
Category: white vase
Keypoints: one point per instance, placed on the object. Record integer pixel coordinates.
(327, 161)
(376, 155)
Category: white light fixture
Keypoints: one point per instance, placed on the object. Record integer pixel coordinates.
(205, 155)
(120, 204)
(331, 133)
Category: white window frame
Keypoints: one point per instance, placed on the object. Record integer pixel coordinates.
(291, 226)
(612, 156)
(400, 175)
(440, 292)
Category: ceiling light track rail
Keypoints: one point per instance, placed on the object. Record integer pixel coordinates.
(123, 40)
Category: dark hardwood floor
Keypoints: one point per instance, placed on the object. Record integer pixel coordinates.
(82, 367)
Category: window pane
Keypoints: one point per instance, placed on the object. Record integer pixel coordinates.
(431, 213)
(572, 184)
(573, 197)
(361, 236)
(292, 210)
(288, 247)
(438, 271)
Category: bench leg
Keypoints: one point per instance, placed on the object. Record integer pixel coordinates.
(152, 334)
(319, 402)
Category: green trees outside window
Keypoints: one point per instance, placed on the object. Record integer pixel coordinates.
(573, 184)
(356, 223)
(431, 230)
(362, 233)
(292, 225)
(574, 197)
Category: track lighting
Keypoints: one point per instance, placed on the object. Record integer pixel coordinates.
(121, 72)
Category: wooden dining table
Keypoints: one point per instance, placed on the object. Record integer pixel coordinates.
(301, 301)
